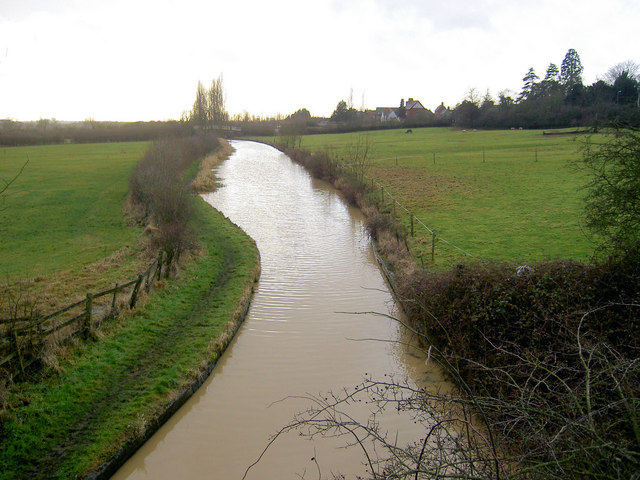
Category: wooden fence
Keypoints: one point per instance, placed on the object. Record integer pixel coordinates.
(22, 340)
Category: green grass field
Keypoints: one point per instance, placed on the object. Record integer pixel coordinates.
(107, 392)
(500, 195)
(65, 209)
(63, 213)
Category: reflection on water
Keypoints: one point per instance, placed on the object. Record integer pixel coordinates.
(302, 335)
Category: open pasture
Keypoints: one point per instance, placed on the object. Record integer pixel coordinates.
(65, 210)
(501, 195)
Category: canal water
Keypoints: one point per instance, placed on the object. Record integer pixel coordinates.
(309, 331)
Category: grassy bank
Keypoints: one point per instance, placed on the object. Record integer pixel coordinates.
(109, 391)
(498, 195)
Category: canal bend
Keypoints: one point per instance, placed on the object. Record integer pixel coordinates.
(301, 336)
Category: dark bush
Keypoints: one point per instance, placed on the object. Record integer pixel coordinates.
(552, 350)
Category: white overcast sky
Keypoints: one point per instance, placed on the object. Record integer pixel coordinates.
(142, 59)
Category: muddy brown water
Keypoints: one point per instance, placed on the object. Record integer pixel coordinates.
(301, 336)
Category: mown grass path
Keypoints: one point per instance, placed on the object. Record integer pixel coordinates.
(66, 425)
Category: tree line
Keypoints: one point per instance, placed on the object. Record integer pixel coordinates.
(560, 99)
(50, 131)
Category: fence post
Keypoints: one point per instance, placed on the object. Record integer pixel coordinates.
(87, 318)
(433, 247)
(168, 263)
(159, 272)
(18, 351)
(149, 279)
(434, 158)
(134, 294)
(411, 214)
(113, 302)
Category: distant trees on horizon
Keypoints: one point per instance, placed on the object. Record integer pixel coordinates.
(560, 99)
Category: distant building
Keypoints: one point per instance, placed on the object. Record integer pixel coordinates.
(386, 114)
(414, 108)
(442, 111)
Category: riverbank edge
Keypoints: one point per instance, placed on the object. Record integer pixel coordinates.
(558, 296)
(204, 182)
(109, 468)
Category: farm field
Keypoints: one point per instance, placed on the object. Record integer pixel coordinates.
(65, 210)
(488, 195)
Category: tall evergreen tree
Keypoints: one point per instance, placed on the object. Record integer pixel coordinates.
(402, 110)
(552, 74)
(529, 84)
(571, 70)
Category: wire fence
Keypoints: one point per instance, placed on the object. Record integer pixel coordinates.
(413, 218)
(414, 221)
(24, 339)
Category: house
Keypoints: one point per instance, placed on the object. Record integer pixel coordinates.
(442, 111)
(414, 108)
(386, 114)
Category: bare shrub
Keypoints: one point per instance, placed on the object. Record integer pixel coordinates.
(159, 195)
(377, 222)
(21, 332)
(358, 155)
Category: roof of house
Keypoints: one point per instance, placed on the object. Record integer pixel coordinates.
(414, 104)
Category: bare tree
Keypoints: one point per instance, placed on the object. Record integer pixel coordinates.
(209, 110)
(199, 111)
(629, 68)
(358, 155)
(216, 109)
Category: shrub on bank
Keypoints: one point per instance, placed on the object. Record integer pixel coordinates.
(551, 349)
(159, 195)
